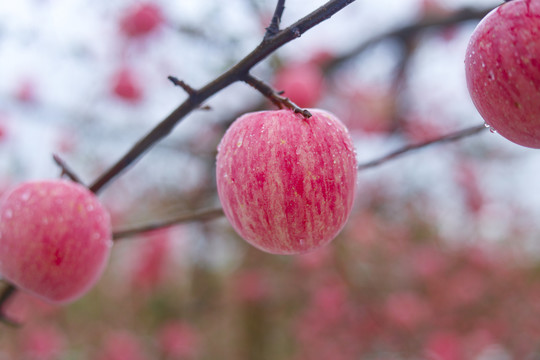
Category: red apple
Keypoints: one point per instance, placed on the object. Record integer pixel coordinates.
(121, 345)
(286, 182)
(55, 239)
(302, 83)
(502, 67)
(368, 110)
(42, 342)
(179, 340)
(141, 19)
(126, 86)
(151, 259)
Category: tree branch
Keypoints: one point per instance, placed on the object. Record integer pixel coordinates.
(188, 89)
(409, 148)
(234, 74)
(406, 32)
(273, 29)
(280, 101)
(201, 215)
(66, 170)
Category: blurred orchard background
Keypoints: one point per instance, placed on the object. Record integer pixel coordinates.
(439, 259)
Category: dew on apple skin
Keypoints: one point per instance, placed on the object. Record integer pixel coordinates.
(25, 196)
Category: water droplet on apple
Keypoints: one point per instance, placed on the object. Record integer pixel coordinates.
(25, 196)
(491, 129)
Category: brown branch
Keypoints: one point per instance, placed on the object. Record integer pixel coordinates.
(177, 82)
(409, 148)
(201, 215)
(406, 32)
(66, 170)
(273, 29)
(280, 101)
(234, 74)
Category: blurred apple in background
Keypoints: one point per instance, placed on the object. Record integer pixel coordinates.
(141, 19)
(126, 85)
(302, 83)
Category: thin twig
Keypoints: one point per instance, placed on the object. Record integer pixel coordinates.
(65, 169)
(409, 148)
(201, 215)
(273, 29)
(406, 32)
(280, 101)
(177, 82)
(234, 74)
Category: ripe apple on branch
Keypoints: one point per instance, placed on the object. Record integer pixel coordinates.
(502, 67)
(286, 179)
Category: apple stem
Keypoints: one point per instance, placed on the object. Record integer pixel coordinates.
(5, 295)
(274, 96)
(273, 29)
(66, 170)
